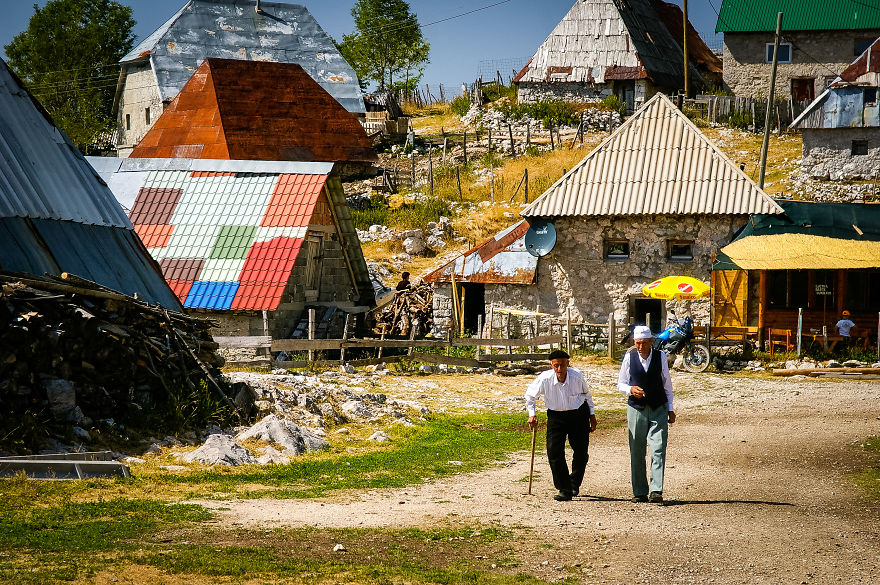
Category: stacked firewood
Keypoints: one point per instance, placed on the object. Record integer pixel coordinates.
(122, 358)
(410, 314)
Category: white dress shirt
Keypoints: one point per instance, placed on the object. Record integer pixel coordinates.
(623, 381)
(568, 395)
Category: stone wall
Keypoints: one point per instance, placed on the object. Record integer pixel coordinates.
(747, 75)
(576, 276)
(529, 92)
(139, 93)
(828, 153)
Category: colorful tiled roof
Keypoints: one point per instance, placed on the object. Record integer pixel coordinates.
(246, 110)
(226, 240)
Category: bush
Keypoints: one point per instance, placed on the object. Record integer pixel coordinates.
(554, 112)
(494, 91)
(613, 103)
(460, 105)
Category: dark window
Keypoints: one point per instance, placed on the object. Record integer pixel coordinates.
(863, 291)
(825, 290)
(616, 250)
(147, 115)
(128, 121)
(870, 95)
(679, 251)
(788, 289)
(860, 47)
(784, 55)
(859, 147)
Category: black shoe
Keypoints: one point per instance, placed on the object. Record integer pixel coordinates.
(639, 499)
(575, 491)
(655, 497)
(562, 496)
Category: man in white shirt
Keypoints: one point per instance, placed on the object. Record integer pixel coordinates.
(570, 414)
(644, 378)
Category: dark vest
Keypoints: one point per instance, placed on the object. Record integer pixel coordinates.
(651, 381)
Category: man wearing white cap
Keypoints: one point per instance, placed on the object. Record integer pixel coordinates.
(644, 379)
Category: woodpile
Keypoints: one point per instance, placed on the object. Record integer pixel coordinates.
(117, 357)
(410, 314)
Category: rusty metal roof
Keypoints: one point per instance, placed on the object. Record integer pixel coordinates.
(604, 39)
(232, 109)
(657, 162)
(232, 29)
(843, 103)
(502, 259)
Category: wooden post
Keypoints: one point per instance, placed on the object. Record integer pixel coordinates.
(762, 304)
(458, 183)
(568, 330)
(512, 147)
(709, 338)
(430, 173)
(491, 180)
(767, 115)
(800, 329)
(479, 334)
(528, 135)
(648, 319)
(461, 313)
(489, 140)
(552, 144)
(464, 148)
(454, 323)
(382, 337)
(412, 156)
(265, 322)
(344, 337)
(412, 335)
(878, 337)
(825, 337)
(507, 335)
(611, 340)
(445, 140)
(311, 333)
(448, 340)
(684, 43)
(526, 194)
(492, 323)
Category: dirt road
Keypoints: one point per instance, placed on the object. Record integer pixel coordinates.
(758, 490)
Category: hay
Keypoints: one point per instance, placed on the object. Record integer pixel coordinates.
(802, 251)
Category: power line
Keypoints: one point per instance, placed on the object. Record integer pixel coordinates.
(393, 27)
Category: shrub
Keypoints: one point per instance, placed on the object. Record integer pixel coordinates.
(414, 215)
(460, 105)
(613, 103)
(494, 91)
(553, 112)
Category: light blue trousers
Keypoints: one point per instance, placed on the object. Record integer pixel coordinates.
(648, 427)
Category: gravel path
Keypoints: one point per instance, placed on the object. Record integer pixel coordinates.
(758, 490)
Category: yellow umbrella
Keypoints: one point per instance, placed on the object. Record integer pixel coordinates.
(677, 288)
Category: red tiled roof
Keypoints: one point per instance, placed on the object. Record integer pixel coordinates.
(253, 110)
(293, 201)
(265, 272)
(155, 235)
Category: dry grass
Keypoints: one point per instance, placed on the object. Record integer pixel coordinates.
(433, 119)
(783, 154)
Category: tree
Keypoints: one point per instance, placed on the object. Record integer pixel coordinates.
(387, 40)
(69, 59)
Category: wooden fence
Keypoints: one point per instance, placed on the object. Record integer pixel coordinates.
(746, 113)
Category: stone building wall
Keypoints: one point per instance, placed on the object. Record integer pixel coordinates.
(576, 276)
(747, 74)
(529, 92)
(828, 153)
(139, 93)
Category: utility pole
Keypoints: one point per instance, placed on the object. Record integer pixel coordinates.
(766, 143)
(684, 45)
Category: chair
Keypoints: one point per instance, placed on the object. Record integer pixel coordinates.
(781, 338)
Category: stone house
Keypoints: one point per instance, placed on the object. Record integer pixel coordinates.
(631, 49)
(156, 69)
(841, 128)
(819, 39)
(656, 198)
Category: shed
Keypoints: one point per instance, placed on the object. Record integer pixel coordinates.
(56, 214)
(655, 198)
(821, 258)
(605, 47)
(841, 128)
(157, 69)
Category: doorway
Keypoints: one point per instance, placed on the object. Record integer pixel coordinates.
(474, 304)
(802, 90)
(641, 306)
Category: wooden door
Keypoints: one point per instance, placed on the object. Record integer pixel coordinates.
(730, 298)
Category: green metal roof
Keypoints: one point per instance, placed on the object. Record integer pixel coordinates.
(760, 15)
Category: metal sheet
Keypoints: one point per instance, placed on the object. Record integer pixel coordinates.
(231, 29)
(657, 162)
(760, 15)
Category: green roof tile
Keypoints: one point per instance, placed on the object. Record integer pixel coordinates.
(233, 241)
(760, 15)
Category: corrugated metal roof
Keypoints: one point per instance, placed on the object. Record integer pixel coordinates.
(231, 29)
(760, 15)
(605, 39)
(231, 109)
(56, 214)
(657, 162)
(502, 259)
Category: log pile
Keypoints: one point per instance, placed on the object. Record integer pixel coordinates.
(410, 314)
(114, 357)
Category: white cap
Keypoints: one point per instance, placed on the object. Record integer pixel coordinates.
(642, 332)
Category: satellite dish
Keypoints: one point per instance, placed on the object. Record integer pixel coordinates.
(540, 237)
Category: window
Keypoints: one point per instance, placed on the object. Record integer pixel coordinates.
(616, 250)
(829, 79)
(860, 47)
(784, 53)
(859, 148)
(128, 121)
(870, 96)
(147, 115)
(863, 291)
(788, 289)
(680, 250)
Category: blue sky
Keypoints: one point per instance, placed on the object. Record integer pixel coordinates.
(462, 44)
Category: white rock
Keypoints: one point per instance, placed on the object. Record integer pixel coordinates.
(220, 450)
(294, 439)
(379, 436)
(355, 409)
(346, 369)
(414, 245)
(339, 548)
(132, 460)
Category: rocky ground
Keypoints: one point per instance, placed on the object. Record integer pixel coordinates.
(759, 486)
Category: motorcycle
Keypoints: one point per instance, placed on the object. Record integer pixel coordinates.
(678, 338)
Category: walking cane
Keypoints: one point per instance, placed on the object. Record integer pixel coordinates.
(532, 464)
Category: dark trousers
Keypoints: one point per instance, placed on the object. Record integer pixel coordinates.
(574, 425)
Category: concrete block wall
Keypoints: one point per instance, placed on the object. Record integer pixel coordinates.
(828, 154)
(816, 55)
(139, 93)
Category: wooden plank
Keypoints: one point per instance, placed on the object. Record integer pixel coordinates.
(808, 371)
(539, 340)
(433, 358)
(514, 357)
(334, 363)
(242, 341)
(327, 344)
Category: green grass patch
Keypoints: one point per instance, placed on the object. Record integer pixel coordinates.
(870, 478)
(408, 216)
